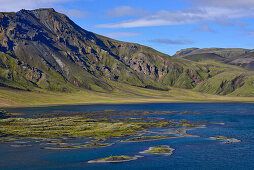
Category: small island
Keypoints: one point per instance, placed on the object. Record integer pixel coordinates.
(90, 145)
(148, 138)
(226, 139)
(115, 159)
(159, 150)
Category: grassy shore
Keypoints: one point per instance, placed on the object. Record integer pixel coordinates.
(123, 94)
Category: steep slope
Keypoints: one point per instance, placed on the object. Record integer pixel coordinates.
(43, 49)
(233, 81)
(33, 57)
(245, 60)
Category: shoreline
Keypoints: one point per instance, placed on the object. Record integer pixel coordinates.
(124, 103)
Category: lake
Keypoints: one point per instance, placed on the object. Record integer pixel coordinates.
(190, 152)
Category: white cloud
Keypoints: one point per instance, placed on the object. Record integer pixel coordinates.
(186, 16)
(121, 34)
(125, 11)
(174, 42)
(224, 3)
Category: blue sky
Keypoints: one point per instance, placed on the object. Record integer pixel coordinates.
(166, 25)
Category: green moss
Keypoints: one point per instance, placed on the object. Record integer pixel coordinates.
(115, 159)
(66, 126)
(90, 145)
(148, 138)
(224, 83)
(160, 150)
(86, 125)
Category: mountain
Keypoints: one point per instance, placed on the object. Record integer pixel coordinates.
(234, 82)
(233, 56)
(43, 50)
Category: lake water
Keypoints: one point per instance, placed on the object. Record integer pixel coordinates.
(190, 152)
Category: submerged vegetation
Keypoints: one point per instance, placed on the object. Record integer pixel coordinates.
(96, 125)
(85, 130)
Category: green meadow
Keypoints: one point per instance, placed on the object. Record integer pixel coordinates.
(123, 94)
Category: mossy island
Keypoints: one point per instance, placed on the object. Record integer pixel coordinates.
(159, 150)
(148, 138)
(90, 145)
(53, 130)
(94, 125)
(115, 159)
(225, 139)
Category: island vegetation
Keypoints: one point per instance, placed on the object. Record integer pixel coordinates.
(148, 138)
(98, 125)
(69, 146)
(53, 130)
(115, 159)
(159, 150)
(56, 129)
(225, 139)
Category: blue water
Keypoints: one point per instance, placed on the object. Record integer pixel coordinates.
(190, 152)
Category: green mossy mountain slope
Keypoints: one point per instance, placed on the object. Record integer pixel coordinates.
(44, 50)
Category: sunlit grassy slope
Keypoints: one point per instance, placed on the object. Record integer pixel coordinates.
(229, 83)
(123, 94)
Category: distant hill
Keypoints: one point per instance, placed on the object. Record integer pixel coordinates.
(234, 56)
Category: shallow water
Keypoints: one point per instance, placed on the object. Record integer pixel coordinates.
(190, 152)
